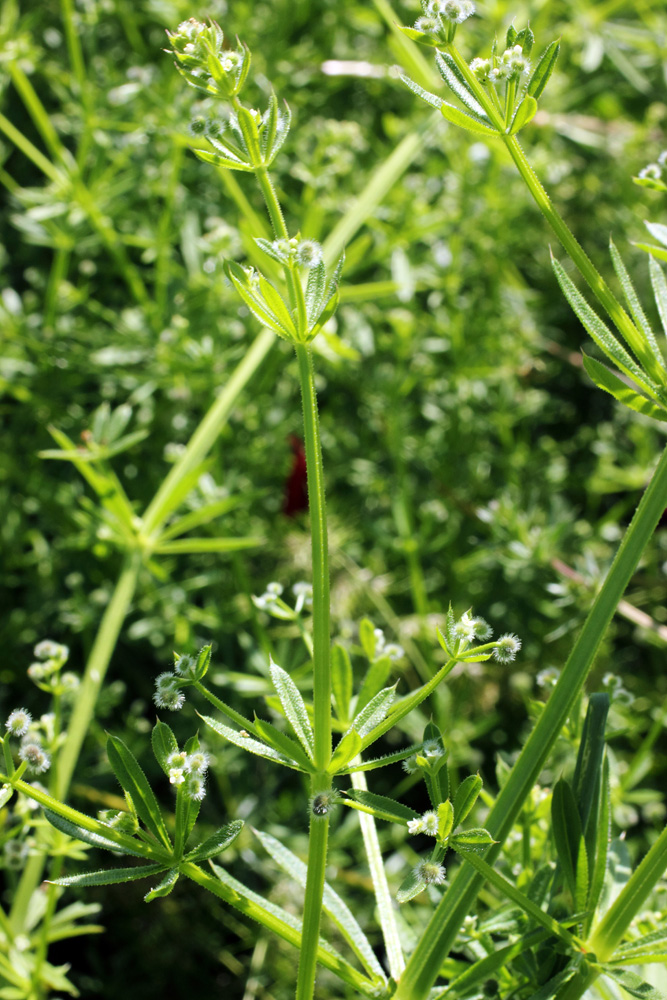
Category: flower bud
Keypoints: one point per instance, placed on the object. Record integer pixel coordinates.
(35, 757)
(430, 873)
(18, 722)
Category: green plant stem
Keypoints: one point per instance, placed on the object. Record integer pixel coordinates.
(320, 562)
(272, 203)
(385, 904)
(272, 922)
(312, 910)
(424, 965)
(96, 669)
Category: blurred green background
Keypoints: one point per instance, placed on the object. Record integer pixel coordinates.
(468, 458)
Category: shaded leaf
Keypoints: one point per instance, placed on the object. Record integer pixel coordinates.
(133, 780)
(217, 842)
(294, 707)
(112, 876)
(165, 886)
(380, 806)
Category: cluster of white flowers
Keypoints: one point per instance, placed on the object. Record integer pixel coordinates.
(167, 693)
(511, 65)
(31, 751)
(431, 749)
(269, 597)
(428, 824)
(187, 772)
(271, 602)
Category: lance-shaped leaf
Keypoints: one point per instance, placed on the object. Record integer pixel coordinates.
(165, 886)
(609, 382)
(466, 121)
(543, 70)
(567, 833)
(486, 967)
(373, 713)
(411, 886)
(445, 820)
(111, 876)
(367, 638)
(277, 305)
(375, 678)
(316, 286)
(603, 336)
(249, 744)
(220, 160)
(659, 285)
(379, 806)
(633, 984)
(341, 681)
(127, 769)
(331, 902)
(515, 895)
(283, 743)
(76, 832)
(267, 247)
(164, 744)
(657, 368)
(432, 99)
(551, 988)
(455, 80)
(600, 850)
(247, 123)
(466, 796)
(647, 944)
(294, 707)
(275, 126)
(524, 113)
(217, 842)
(203, 515)
(253, 300)
(474, 839)
(346, 750)
(376, 762)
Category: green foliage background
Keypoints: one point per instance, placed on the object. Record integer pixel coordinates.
(465, 449)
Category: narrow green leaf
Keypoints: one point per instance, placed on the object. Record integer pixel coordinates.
(270, 127)
(410, 887)
(603, 336)
(566, 827)
(229, 162)
(341, 681)
(524, 114)
(516, 896)
(248, 127)
(77, 832)
(315, 291)
(388, 758)
(432, 99)
(659, 285)
(346, 750)
(203, 515)
(217, 842)
(658, 252)
(638, 946)
(6, 793)
(112, 876)
(551, 988)
(373, 713)
(331, 902)
(611, 383)
(165, 886)
(133, 780)
(249, 744)
(602, 841)
(465, 120)
(293, 706)
(486, 967)
(379, 806)
(189, 545)
(164, 744)
(637, 312)
(367, 638)
(276, 304)
(473, 839)
(445, 820)
(465, 797)
(633, 984)
(455, 80)
(581, 882)
(283, 743)
(543, 70)
(588, 769)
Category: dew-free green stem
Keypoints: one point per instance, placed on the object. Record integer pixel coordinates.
(385, 903)
(312, 909)
(422, 969)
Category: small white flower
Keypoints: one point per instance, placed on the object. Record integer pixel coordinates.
(507, 648)
(197, 763)
(185, 665)
(410, 764)
(415, 826)
(194, 787)
(171, 699)
(481, 68)
(18, 722)
(177, 759)
(35, 757)
(430, 822)
(430, 872)
(432, 748)
(176, 776)
(308, 253)
(47, 649)
(651, 172)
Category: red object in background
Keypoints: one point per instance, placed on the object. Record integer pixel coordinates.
(296, 486)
